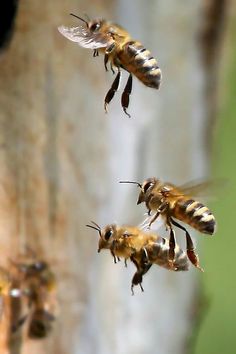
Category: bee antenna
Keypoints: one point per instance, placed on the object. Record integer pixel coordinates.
(94, 223)
(81, 19)
(132, 182)
(95, 228)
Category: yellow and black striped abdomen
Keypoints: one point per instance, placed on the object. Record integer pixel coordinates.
(138, 61)
(195, 214)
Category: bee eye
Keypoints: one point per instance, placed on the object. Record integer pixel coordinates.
(108, 234)
(95, 26)
(147, 185)
(39, 266)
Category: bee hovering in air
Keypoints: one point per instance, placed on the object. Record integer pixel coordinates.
(143, 249)
(34, 285)
(173, 202)
(120, 50)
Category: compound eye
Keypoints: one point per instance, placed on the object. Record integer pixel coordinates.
(95, 26)
(39, 266)
(147, 185)
(108, 234)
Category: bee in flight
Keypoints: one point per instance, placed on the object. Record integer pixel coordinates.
(143, 249)
(120, 50)
(33, 285)
(172, 202)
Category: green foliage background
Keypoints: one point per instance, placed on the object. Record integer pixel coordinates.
(217, 333)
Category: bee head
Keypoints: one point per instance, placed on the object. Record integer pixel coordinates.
(94, 25)
(106, 235)
(146, 188)
(37, 267)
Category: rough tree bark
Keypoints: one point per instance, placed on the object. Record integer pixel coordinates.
(61, 158)
(49, 160)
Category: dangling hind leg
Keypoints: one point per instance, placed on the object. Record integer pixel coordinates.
(192, 255)
(125, 95)
(172, 244)
(142, 268)
(106, 58)
(110, 94)
(138, 276)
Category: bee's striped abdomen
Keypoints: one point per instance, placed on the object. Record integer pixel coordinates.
(138, 60)
(196, 215)
(158, 253)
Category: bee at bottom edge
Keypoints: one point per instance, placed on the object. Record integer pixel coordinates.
(33, 292)
(141, 248)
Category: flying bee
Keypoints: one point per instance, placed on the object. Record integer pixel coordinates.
(143, 249)
(120, 50)
(172, 202)
(39, 318)
(35, 286)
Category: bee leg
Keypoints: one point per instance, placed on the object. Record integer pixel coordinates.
(142, 268)
(112, 248)
(125, 262)
(114, 257)
(110, 94)
(125, 95)
(110, 48)
(153, 219)
(113, 71)
(137, 280)
(162, 208)
(106, 61)
(107, 52)
(138, 276)
(95, 53)
(192, 255)
(172, 244)
(140, 284)
(18, 324)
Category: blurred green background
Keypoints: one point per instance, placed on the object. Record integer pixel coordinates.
(217, 329)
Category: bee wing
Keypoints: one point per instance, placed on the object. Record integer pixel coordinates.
(202, 188)
(85, 38)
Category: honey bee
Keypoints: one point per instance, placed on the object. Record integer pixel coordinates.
(143, 249)
(120, 50)
(170, 202)
(34, 285)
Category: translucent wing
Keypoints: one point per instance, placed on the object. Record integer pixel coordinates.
(85, 38)
(201, 188)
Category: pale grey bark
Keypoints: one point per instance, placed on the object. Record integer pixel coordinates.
(62, 158)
